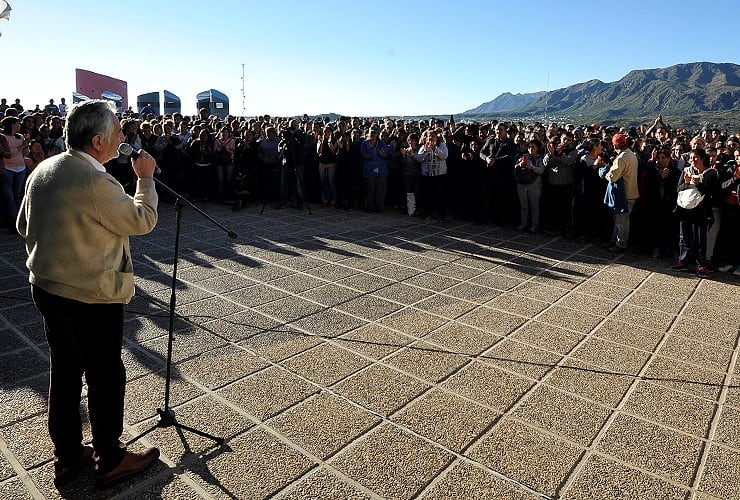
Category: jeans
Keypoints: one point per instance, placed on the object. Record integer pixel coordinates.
(11, 194)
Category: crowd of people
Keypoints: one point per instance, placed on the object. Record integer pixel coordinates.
(615, 187)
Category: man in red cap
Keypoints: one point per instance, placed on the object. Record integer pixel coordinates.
(624, 167)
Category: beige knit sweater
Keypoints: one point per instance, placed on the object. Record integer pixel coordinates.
(76, 221)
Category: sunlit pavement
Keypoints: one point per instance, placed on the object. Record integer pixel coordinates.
(347, 355)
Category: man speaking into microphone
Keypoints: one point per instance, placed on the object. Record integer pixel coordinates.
(76, 220)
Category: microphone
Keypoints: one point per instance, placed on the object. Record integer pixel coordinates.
(126, 149)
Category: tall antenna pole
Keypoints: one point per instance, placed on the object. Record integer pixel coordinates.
(244, 99)
(547, 94)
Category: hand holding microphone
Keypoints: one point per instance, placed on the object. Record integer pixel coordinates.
(144, 164)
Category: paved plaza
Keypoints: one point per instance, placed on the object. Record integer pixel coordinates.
(347, 355)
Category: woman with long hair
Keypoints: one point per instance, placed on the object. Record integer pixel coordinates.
(14, 175)
(696, 187)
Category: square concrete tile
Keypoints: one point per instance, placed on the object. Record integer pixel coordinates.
(604, 290)
(373, 340)
(728, 430)
(331, 272)
(395, 272)
(6, 470)
(186, 344)
(21, 364)
(392, 462)
(369, 307)
(365, 283)
(457, 271)
(403, 293)
(557, 280)
(653, 448)
(325, 364)
(624, 276)
(564, 414)
(224, 283)
(412, 322)
(328, 323)
(488, 385)
(721, 476)
(540, 291)
(267, 393)
(611, 356)
(258, 465)
(462, 339)
(445, 306)
(649, 318)
(518, 304)
(325, 484)
(657, 302)
(447, 419)
(330, 295)
(588, 303)
(492, 320)
(465, 480)
(220, 366)
(472, 292)
(205, 414)
(280, 342)
(521, 358)
(28, 440)
(242, 325)
(591, 382)
(362, 263)
(671, 408)
(323, 424)
(496, 280)
(538, 461)
(14, 489)
(733, 393)
(699, 309)
(25, 399)
(209, 308)
(696, 352)
(431, 281)
(256, 295)
(711, 333)
(296, 283)
(289, 308)
(547, 337)
(634, 336)
(398, 389)
(427, 361)
(571, 319)
(145, 394)
(685, 377)
(604, 479)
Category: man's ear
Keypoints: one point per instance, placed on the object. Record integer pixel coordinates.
(97, 142)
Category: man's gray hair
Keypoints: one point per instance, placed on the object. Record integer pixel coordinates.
(87, 119)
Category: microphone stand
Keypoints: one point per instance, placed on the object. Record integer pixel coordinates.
(167, 416)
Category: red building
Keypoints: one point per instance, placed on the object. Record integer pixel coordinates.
(97, 86)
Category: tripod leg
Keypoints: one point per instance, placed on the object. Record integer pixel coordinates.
(136, 438)
(218, 440)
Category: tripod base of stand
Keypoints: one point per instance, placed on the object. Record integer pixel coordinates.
(167, 419)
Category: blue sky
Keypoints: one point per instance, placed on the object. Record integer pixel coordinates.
(355, 58)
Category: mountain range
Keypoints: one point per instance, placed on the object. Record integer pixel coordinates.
(687, 95)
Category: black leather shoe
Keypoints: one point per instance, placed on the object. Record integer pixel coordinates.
(133, 462)
(63, 475)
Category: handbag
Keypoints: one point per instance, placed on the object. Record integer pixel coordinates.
(689, 198)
